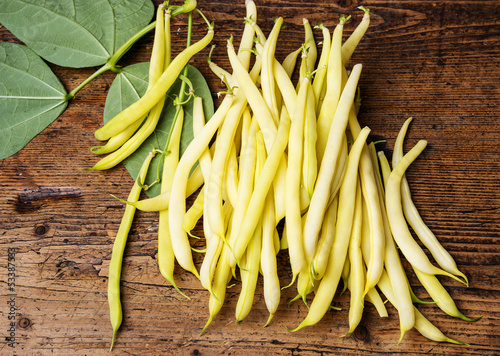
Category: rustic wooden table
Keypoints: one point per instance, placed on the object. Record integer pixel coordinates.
(437, 61)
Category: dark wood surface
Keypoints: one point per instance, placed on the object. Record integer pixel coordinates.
(437, 61)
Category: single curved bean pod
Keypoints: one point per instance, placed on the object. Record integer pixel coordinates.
(333, 90)
(319, 78)
(293, 212)
(232, 179)
(213, 242)
(221, 73)
(160, 45)
(423, 326)
(310, 163)
(166, 258)
(352, 42)
(442, 257)
(249, 275)
(272, 291)
(397, 276)
(385, 167)
(290, 61)
(250, 261)
(285, 86)
(356, 272)
(268, 83)
(310, 44)
(246, 41)
(372, 198)
(115, 265)
(430, 331)
(374, 297)
(408, 246)
(118, 140)
(439, 294)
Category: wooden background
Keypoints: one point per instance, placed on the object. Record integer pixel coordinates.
(437, 61)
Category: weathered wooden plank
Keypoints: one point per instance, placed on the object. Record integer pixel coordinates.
(435, 61)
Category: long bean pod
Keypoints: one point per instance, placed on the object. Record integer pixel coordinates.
(423, 326)
(115, 265)
(250, 260)
(440, 295)
(352, 42)
(442, 257)
(296, 245)
(166, 258)
(356, 273)
(272, 291)
(408, 246)
(333, 91)
(318, 84)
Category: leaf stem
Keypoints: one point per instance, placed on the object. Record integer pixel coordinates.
(120, 52)
(98, 72)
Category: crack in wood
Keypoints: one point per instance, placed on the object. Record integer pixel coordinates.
(30, 199)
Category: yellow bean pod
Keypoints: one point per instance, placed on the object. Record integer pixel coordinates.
(333, 90)
(442, 257)
(296, 244)
(352, 42)
(408, 246)
(356, 272)
(115, 265)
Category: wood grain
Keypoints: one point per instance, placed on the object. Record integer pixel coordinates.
(437, 61)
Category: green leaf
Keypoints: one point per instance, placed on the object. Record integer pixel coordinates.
(128, 87)
(31, 97)
(75, 33)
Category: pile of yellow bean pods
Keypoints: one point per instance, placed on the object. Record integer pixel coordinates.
(293, 152)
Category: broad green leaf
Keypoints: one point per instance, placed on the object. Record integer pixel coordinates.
(31, 97)
(128, 87)
(75, 33)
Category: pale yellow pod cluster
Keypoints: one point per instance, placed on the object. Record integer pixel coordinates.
(294, 152)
